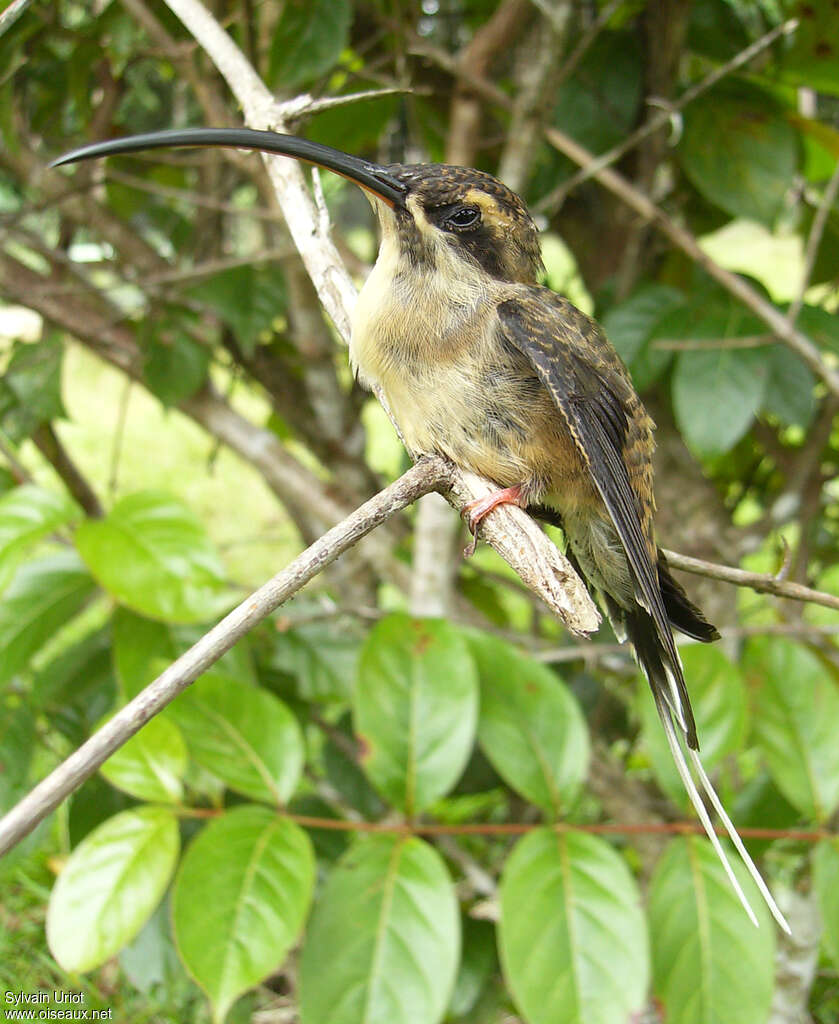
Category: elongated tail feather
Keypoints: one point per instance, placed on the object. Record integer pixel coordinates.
(738, 842)
(696, 800)
(664, 681)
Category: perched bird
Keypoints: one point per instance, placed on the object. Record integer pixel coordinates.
(482, 364)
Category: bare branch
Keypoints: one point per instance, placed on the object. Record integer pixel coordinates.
(80, 765)
(763, 583)
(49, 445)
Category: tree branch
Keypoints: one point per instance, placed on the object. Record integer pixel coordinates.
(763, 583)
(426, 475)
(48, 443)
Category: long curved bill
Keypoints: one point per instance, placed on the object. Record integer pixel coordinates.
(370, 176)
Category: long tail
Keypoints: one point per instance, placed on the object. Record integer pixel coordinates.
(666, 681)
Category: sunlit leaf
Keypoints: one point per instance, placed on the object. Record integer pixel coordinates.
(383, 942)
(150, 765)
(240, 900)
(710, 963)
(530, 727)
(110, 885)
(242, 734)
(572, 933)
(27, 514)
(796, 721)
(415, 708)
(154, 556)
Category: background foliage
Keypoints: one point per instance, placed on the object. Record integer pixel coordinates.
(178, 419)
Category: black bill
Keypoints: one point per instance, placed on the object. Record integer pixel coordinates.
(370, 176)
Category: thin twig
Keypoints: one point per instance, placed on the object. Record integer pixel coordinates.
(49, 445)
(763, 583)
(67, 777)
(514, 828)
(12, 13)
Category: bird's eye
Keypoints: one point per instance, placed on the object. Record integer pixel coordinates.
(463, 218)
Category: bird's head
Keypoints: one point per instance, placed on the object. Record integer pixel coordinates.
(428, 209)
(469, 214)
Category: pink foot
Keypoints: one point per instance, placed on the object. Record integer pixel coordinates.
(481, 507)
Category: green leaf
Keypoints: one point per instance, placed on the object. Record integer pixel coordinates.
(812, 59)
(477, 963)
(415, 709)
(76, 688)
(248, 299)
(27, 514)
(718, 697)
(109, 887)
(151, 765)
(322, 659)
(308, 39)
(740, 151)
(17, 745)
(796, 720)
(716, 394)
(530, 728)
(710, 963)
(383, 943)
(630, 324)
(174, 365)
(43, 595)
(142, 647)
(240, 900)
(244, 735)
(153, 555)
(599, 103)
(826, 885)
(790, 387)
(572, 934)
(30, 387)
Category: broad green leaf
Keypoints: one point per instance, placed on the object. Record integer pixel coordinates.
(17, 745)
(244, 735)
(383, 943)
(415, 709)
(30, 387)
(153, 555)
(572, 933)
(109, 887)
(718, 697)
(142, 647)
(796, 722)
(740, 151)
(826, 884)
(530, 727)
(710, 963)
(42, 597)
(240, 900)
(248, 299)
(308, 39)
(151, 765)
(716, 394)
(27, 514)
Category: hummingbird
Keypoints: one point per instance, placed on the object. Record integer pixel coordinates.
(482, 364)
